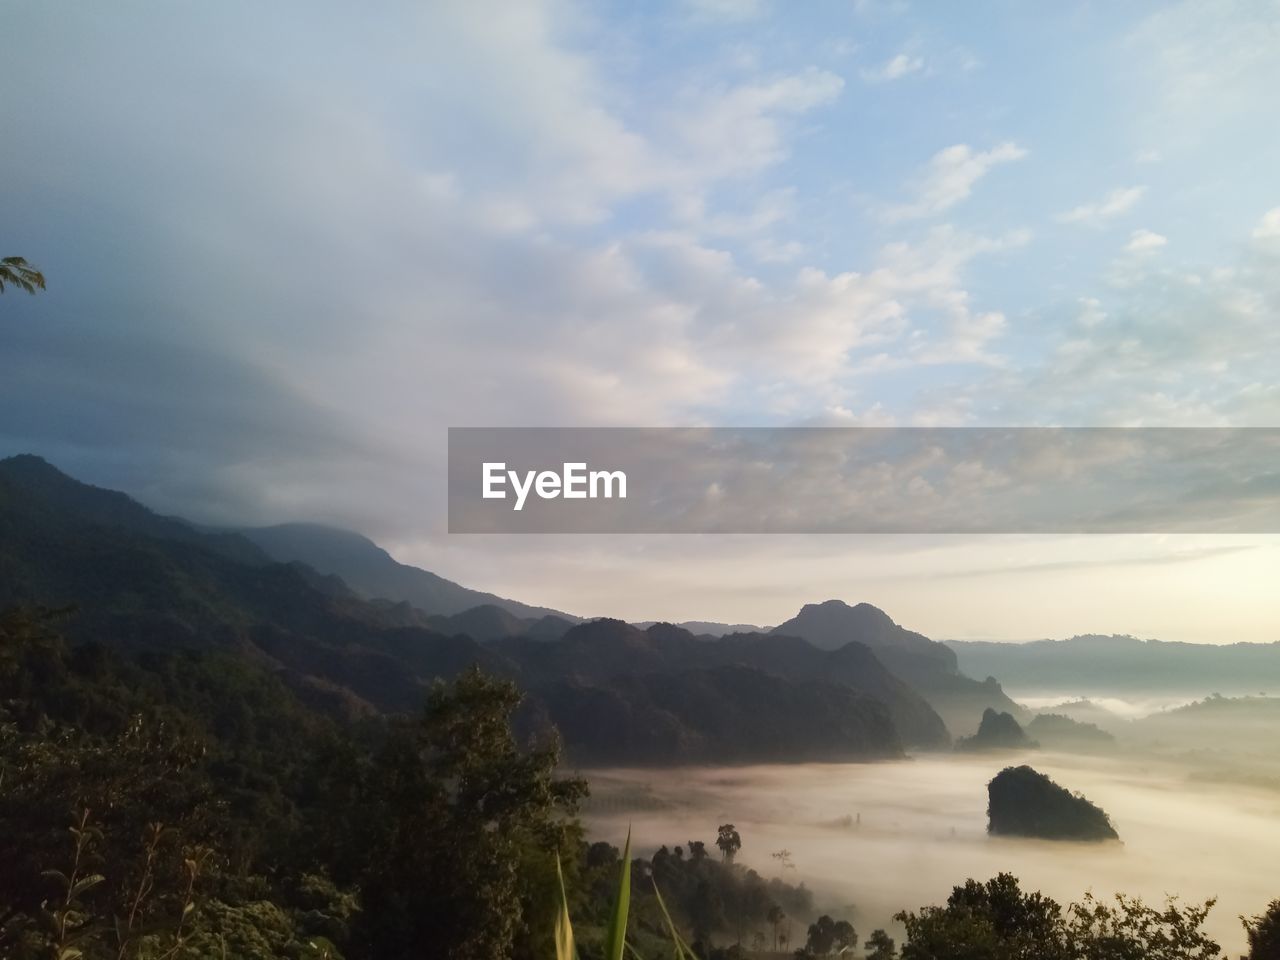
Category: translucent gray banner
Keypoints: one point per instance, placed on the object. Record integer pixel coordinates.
(864, 480)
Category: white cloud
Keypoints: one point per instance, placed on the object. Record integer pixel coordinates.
(1114, 204)
(738, 130)
(897, 67)
(1145, 241)
(950, 177)
(1268, 227)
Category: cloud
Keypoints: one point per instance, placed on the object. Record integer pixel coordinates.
(894, 69)
(1113, 205)
(1167, 347)
(1268, 227)
(738, 130)
(358, 281)
(1145, 241)
(950, 177)
(1210, 62)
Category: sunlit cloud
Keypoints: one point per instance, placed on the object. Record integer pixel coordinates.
(1114, 204)
(1145, 241)
(895, 68)
(950, 178)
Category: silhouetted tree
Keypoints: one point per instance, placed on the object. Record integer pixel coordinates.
(880, 946)
(729, 842)
(1264, 933)
(784, 859)
(775, 916)
(457, 790)
(826, 935)
(846, 937)
(997, 921)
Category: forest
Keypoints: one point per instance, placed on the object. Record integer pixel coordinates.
(189, 804)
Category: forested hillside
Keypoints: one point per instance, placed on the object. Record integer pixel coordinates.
(140, 582)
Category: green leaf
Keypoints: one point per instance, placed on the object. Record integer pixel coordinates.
(616, 933)
(565, 949)
(683, 952)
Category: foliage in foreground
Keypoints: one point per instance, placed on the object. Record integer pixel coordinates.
(16, 272)
(997, 921)
(190, 806)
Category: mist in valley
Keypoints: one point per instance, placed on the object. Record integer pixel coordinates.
(871, 839)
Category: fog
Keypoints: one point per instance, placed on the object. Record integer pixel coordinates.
(1124, 708)
(871, 839)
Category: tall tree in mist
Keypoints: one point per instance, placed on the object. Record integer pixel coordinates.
(729, 841)
(879, 946)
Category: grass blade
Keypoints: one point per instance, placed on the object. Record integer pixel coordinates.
(616, 934)
(683, 952)
(565, 949)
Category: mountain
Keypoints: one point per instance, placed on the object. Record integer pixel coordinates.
(927, 665)
(372, 572)
(141, 582)
(1088, 713)
(490, 622)
(997, 731)
(1097, 665)
(727, 714)
(1217, 723)
(62, 498)
(708, 628)
(1058, 732)
(604, 650)
(1023, 802)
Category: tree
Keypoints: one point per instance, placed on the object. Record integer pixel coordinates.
(822, 936)
(997, 921)
(1131, 930)
(880, 945)
(846, 937)
(462, 829)
(17, 272)
(729, 842)
(991, 921)
(775, 916)
(1264, 933)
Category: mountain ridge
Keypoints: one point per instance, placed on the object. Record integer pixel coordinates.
(372, 572)
(142, 582)
(929, 666)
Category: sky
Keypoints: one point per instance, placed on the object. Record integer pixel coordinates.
(289, 245)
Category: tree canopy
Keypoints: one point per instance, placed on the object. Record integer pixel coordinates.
(16, 272)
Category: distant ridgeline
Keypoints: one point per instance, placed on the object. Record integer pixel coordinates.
(1122, 665)
(352, 631)
(1055, 731)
